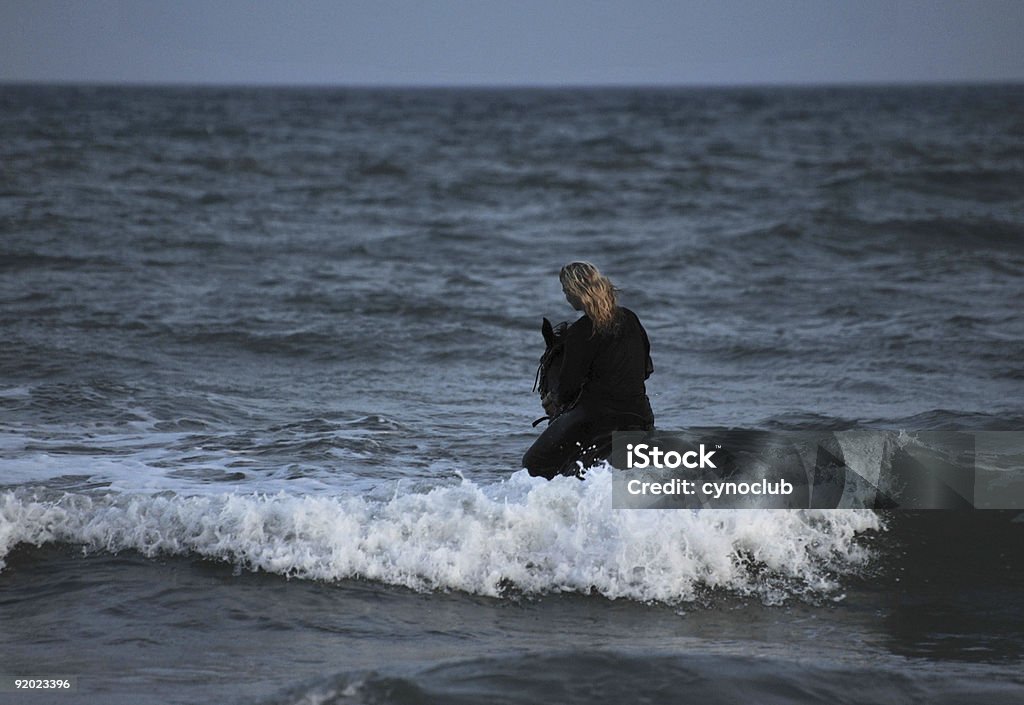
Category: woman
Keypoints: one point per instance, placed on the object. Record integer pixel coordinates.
(600, 385)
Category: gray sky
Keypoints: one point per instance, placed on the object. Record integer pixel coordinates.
(521, 42)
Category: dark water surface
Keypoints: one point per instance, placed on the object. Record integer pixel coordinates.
(265, 383)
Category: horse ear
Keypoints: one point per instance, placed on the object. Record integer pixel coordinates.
(548, 332)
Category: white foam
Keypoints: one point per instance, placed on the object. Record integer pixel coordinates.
(524, 533)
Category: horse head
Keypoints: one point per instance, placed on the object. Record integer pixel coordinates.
(545, 383)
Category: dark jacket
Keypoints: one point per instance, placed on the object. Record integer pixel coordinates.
(606, 370)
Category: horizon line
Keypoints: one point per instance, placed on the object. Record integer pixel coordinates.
(570, 86)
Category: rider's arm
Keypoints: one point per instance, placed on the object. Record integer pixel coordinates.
(580, 350)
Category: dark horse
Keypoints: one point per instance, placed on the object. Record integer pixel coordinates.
(546, 385)
(545, 382)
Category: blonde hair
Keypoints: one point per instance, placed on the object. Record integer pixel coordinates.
(584, 282)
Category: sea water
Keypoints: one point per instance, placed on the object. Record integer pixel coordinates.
(265, 386)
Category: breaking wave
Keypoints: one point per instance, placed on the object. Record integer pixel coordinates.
(519, 536)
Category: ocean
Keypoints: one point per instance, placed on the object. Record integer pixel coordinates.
(265, 386)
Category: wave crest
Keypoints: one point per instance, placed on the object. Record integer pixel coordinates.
(523, 535)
